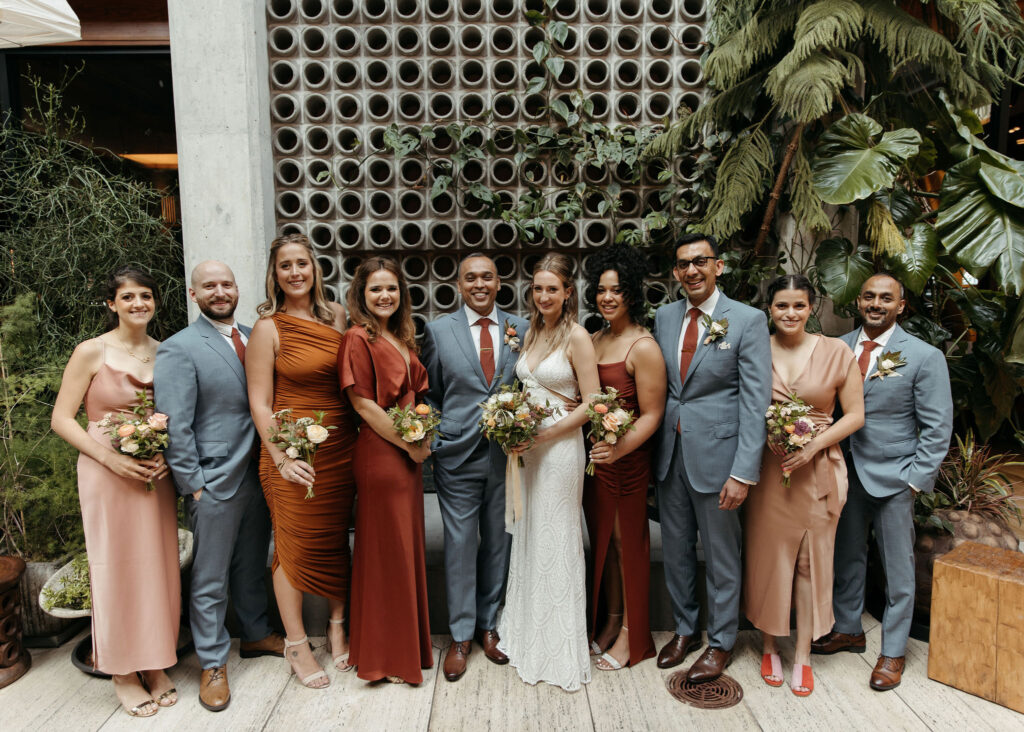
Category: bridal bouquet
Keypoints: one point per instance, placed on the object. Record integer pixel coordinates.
(299, 437)
(511, 418)
(789, 427)
(142, 434)
(415, 424)
(608, 420)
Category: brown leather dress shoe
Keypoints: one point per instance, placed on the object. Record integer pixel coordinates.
(455, 659)
(709, 666)
(214, 693)
(272, 645)
(835, 642)
(888, 673)
(488, 640)
(677, 649)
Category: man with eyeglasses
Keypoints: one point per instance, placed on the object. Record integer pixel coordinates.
(708, 450)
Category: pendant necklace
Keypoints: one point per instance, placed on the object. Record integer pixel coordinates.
(140, 359)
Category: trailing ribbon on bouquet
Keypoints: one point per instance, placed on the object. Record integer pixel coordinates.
(513, 492)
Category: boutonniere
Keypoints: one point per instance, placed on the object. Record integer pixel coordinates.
(511, 337)
(887, 364)
(715, 329)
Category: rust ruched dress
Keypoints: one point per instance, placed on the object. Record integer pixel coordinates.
(131, 537)
(311, 536)
(390, 633)
(622, 488)
(777, 518)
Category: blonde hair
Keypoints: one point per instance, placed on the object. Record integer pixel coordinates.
(400, 323)
(560, 266)
(320, 304)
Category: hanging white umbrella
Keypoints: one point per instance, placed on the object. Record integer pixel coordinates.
(37, 22)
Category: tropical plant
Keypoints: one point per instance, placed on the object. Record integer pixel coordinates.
(74, 591)
(972, 478)
(845, 115)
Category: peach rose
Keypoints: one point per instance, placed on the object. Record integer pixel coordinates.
(601, 408)
(316, 433)
(790, 428)
(611, 422)
(157, 421)
(423, 409)
(126, 430)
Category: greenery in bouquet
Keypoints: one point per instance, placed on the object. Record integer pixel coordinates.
(141, 435)
(512, 418)
(415, 424)
(608, 420)
(299, 438)
(789, 427)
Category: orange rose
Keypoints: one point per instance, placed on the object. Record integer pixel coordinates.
(601, 408)
(126, 430)
(611, 422)
(790, 428)
(423, 409)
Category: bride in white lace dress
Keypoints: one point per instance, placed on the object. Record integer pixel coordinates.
(543, 627)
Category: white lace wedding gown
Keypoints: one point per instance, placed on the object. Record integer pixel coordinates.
(543, 626)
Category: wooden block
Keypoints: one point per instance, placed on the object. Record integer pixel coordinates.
(977, 623)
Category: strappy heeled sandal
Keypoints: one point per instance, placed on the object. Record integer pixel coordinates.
(307, 681)
(140, 709)
(771, 667)
(167, 699)
(595, 649)
(608, 658)
(341, 661)
(394, 679)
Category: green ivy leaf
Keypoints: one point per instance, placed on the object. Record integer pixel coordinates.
(842, 268)
(555, 64)
(440, 185)
(540, 51)
(559, 30)
(535, 84)
(560, 108)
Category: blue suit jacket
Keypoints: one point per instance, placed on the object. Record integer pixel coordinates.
(721, 406)
(457, 385)
(200, 385)
(908, 420)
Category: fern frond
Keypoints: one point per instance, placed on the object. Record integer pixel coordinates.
(991, 34)
(882, 232)
(669, 143)
(824, 26)
(722, 109)
(738, 52)
(743, 177)
(812, 89)
(804, 202)
(725, 17)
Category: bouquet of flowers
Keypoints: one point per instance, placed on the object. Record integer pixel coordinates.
(511, 418)
(299, 437)
(608, 420)
(142, 434)
(415, 424)
(789, 427)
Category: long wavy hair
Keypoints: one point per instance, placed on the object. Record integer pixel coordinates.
(320, 304)
(400, 323)
(560, 266)
(119, 277)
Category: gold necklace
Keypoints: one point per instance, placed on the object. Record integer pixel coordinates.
(143, 359)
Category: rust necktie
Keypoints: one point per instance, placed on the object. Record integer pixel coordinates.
(865, 358)
(486, 349)
(236, 341)
(689, 344)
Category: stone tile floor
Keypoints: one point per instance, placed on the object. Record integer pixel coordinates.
(56, 696)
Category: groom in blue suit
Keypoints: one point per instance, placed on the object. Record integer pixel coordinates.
(199, 382)
(469, 354)
(908, 422)
(708, 450)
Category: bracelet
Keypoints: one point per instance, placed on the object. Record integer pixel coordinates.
(280, 465)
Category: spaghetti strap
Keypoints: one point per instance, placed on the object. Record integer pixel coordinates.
(629, 350)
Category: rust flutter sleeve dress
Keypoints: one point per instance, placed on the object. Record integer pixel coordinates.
(390, 629)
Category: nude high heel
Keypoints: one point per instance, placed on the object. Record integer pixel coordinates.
(340, 661)
(307, 681)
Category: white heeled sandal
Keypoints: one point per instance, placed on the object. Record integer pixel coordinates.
(307, 681)
(341, 661)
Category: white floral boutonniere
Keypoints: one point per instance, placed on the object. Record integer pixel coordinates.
(716, 329)
(888, 362)
(511, 337)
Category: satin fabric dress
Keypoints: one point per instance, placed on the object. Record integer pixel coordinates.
(311, 536)
(621, 488)
(777, 518)
(390, 630)
(131, 538)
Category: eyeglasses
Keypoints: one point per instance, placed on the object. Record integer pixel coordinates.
(698, 262)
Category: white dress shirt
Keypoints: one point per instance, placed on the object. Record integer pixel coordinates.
(881, 340)
(494, 328)
(225, 330)
(707, 307)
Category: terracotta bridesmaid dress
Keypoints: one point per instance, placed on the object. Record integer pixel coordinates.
(311, 536)
(622, 488)
(778, 519)
(390, 633)
(131, 538)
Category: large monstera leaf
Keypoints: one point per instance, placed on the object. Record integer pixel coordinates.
(981, 219)
(852, 162)
(842, 268)
(915, 264)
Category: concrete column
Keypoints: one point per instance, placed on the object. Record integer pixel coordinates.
(222, 115)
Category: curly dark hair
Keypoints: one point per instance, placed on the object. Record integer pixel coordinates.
(632, 267)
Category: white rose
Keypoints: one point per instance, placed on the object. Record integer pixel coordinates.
(621, 415)
(611, 438)
(292, 452)
(506, 397)
(316, 433)
(415, 433)
(492, 401)
(886, 365)
(129, 447)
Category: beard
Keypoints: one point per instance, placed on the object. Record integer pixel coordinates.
(207, 310)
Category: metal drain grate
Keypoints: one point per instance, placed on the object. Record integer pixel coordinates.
(722, 693)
